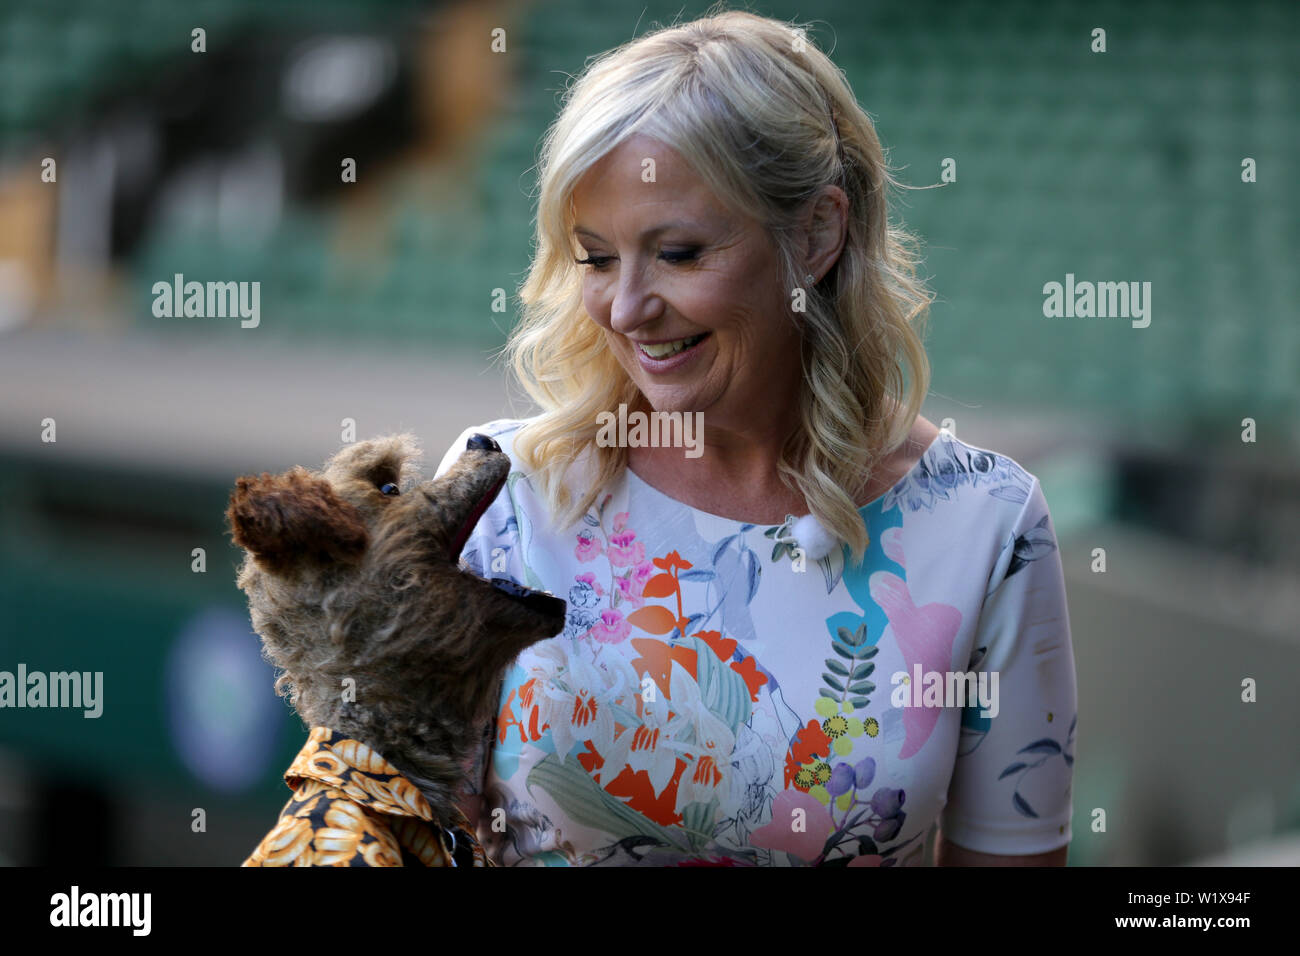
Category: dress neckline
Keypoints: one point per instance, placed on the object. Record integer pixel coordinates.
(633, 476)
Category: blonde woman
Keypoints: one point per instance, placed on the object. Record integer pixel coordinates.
(817, 628)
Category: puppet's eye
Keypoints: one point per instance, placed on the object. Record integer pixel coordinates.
(389, 488)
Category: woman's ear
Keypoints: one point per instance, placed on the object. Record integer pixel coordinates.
(826, 226)
(294, 520)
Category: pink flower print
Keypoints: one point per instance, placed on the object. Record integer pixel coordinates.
(620, 521)
(924, 635)
(588, 548)
(781, 833)
(624, 550)
(867, 859)
(590, 578)
(611, 629)
(631, 590)
(632, 586)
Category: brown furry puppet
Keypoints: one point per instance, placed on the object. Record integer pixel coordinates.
(389, 651)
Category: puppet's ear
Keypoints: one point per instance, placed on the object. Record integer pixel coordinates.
(294, 519)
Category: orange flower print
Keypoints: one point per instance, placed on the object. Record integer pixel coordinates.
(809, 742)
(792, 769)
(747, 668)
(591, 760)
(585, 708)
(570, 697)
(639, 793)
(672, 560)
(648, 746)
(715, 740)
(657, 660)
(528, 722)
(723, 648)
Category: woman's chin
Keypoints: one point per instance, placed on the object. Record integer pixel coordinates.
(669, 400)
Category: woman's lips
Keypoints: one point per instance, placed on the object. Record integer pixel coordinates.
(672, 362)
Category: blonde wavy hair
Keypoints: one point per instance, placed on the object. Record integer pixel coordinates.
(766, 119)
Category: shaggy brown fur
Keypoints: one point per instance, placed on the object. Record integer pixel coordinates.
(347, 581)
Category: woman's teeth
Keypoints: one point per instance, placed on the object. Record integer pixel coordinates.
(664, 349)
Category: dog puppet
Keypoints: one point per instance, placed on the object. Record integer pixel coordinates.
(388, 649)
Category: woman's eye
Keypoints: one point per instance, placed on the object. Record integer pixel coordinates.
(389, 488)
(678, 255)
(674, 255)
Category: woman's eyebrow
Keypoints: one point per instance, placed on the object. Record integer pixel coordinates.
(647, 234)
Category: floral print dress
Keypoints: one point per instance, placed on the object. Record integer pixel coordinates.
(717, 698)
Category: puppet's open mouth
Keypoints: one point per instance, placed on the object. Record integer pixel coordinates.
(458, 542)
(544, 602)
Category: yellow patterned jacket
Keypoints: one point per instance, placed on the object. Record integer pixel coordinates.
(351, 807)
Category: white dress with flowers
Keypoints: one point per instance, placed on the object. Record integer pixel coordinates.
(717, 698)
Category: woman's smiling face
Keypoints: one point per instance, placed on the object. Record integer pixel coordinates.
(671, 263)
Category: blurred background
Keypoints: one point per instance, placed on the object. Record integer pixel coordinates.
(128, 157)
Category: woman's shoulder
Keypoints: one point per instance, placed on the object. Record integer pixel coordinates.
(957, 473)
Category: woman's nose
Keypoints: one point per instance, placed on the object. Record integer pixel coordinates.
(634, 303)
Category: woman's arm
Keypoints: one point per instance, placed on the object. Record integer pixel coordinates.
(1011, 786)
(950, 854)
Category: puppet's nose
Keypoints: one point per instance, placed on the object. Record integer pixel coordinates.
(483, 442)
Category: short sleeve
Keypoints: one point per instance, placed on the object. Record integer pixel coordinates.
(1010, 791)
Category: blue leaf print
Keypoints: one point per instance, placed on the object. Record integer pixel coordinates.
(1023, 806)
(696, 574)
(969, 740)
(1035, 543)
(755, 570)
(732, 585)
(1012, 769)
(833, 568)
(1044, 746)
(1011, 493)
